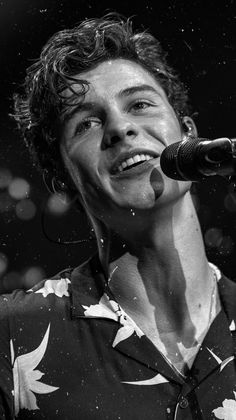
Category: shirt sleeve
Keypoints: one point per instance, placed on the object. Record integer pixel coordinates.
(6, 373)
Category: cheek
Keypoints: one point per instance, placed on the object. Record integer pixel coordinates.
(82, 174)
(77, 165)
(82, 161)
(85, 174)
(167, 127)
(173, 132)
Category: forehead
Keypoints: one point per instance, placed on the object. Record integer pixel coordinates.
(110, 77)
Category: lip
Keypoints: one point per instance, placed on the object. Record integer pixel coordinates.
(126, 155)
(136, 170)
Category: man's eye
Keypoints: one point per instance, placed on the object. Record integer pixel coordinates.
(140, 105)
(86, 125)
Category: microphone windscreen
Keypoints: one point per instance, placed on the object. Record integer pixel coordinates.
(168, 161)
(178, 160)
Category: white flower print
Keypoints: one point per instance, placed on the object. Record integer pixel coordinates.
(59, 287)
(228, 411)
(129, 327)
(216, 270)
(107, 308)
(222, 363)
(156, 380)
(26, 379)
(232, 326)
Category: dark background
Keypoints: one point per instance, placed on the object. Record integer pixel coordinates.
(199, 37)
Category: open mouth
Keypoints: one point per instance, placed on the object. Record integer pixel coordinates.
(132, 162)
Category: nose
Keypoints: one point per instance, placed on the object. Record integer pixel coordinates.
(119, 128)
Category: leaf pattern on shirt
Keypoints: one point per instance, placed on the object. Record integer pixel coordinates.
(129, 327)
(222, 363)
(108, 308)
(216, 271)
(59, 287)
(26, 379)
(232, 326)
(156, 380)
(227, 411)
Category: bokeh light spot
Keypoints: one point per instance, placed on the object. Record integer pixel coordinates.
(32, 276)
(25, 209)
(213, 237)
(230, 202)
(58, 204)
(5, 178)
(3, 263)
(227, 245)
(19, 189)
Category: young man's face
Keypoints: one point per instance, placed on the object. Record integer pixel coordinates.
(112, 142)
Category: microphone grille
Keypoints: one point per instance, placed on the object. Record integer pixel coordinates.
(168, 161)
(178, 160)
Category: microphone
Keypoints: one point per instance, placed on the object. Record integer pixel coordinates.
(194, 159)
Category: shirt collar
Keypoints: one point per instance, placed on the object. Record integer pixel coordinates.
(89, 288)
(91, 298)
(227, 292)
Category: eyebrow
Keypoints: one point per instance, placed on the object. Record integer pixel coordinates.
(71, 110)
(136, 89)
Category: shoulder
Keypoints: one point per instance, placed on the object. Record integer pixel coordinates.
(57, 285)
(52, 295)
(26, 316)
(40, 296)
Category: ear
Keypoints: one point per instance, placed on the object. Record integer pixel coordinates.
(189, 127)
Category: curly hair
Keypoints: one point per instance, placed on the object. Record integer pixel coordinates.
(67, 54)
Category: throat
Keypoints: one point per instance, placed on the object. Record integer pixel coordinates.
(180, 346)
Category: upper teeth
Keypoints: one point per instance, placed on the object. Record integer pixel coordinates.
(132, 160)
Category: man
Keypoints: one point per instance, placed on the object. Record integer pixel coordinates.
(145, 328)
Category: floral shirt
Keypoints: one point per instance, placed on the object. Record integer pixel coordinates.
(69, 352)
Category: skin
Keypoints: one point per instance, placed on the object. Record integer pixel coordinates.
(147, 229)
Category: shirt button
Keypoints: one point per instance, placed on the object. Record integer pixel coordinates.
(183, 402)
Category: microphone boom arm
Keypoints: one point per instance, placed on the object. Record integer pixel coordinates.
(220, 156)
(194, 159)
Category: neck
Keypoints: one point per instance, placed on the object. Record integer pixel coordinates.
(161, 276)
